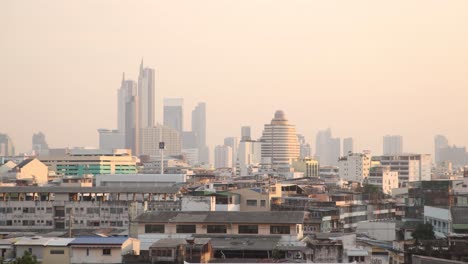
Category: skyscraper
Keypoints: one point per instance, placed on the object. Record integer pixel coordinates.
(327, 149)
(111, 139)
(6, 146)
(223, 156)
(132, 127)
(199, 128)
(128, 88)
(304, 147)
(348, 146)
(245, 133)
(440, 142)
(146, 95)
(39, 143)
(279, 140)
(151, 136)
(392, 145)
(173, 113)
(233, 143)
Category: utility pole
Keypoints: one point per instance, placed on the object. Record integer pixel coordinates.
(161, 152)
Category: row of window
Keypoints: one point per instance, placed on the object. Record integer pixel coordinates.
(25, 222)
(218, 229)
(254, 203)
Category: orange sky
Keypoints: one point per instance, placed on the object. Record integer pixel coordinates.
(364, 68)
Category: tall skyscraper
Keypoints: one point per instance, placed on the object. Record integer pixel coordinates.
(392, 145)
(304, 147)
(6, 146)
(132, 133)
(233, 143)
(128, 88)
(327, 149)
(199, 128)
(248, 154)
(348, 146)
(279, 140)
(245, 133)
(223, 156)
(39, 143)
(146, 95)
(173, 113)
(440, 142)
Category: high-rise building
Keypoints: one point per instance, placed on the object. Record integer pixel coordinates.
(248, 154)
(279, 140)
(146, 95)
(128, 88)
(440, 142)
(456, 155)
(199, 128)
(304, 147)
(173, 113)
(348, 146)
(327, 149)
(6, 146)
(233, 143)
(39, 143)
(410, 167)
(111, 139)
(392, 145)
(223, 156)
(354, 167)
(151, 136)
(245, 133)
(132, 127)
(189, 140)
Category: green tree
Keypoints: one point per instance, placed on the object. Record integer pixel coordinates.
(27, 258)
(423, 232)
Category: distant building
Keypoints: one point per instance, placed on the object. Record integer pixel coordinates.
(146, 96)
(234, 144)
(245, 133)
(191, 156)
(384, 177)
(354, 167)
(249, 154)
(39, 143)
(456, 155)
(132, 127)
(151, 136)
(304, 147)
(328, 149)
(199, 128)
(6, 146)
(279, 141)
(410, 167)
(308, 166)
(348, 146)
(128, 89)
(392, 145)
(111, 139)
(440, 142)
(223, 156)
(174, 113)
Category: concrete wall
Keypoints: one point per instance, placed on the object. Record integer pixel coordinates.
(384, 231)
(79, 255)
(37, 250)
(198, 203)
(56, 258)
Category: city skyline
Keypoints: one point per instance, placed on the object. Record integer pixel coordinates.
(63, 76)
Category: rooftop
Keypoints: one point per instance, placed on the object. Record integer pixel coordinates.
(99, 189)
(99, 240)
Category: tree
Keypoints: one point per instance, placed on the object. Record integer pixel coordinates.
(423, 232)
(27, 258)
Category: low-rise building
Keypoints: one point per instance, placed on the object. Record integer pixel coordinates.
(102, 249)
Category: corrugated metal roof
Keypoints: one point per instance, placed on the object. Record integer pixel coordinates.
(99, 240)
(59, 242)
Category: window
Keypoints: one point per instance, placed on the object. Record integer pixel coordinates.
(154, 229)
(186, 229)
(164, 253)
(251, 202)
(216, 229)
(106, 251)
(57, 252)
(280, 229)
(248, 229)
(262, 203)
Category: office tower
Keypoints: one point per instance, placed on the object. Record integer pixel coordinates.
(279, 140)
(199, 128)
(233, 143)
(191, 156)
(348, 146)
(440, 142)
(132, 127)
(456, 155)
(174, 113)
(223, 156)
(410, 167)
(6, 146)
(392, 145)
(189, 140)
(248, 154)
(151, 136)
(245, 133)
(128, 88)
(39, 143)
(304, 147)
(146, 95)
(354, 167)
(327, 149)
(111, 139)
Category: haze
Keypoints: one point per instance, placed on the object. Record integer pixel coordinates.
(363, 68)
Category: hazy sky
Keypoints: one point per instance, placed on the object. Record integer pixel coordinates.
(363, 68)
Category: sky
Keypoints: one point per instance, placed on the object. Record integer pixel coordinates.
(364, 68)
